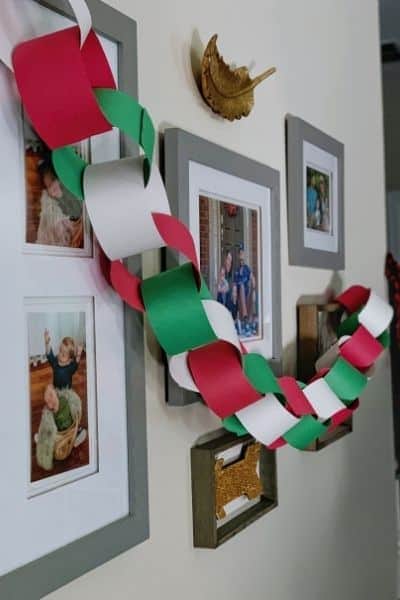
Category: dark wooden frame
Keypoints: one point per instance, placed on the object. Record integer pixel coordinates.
(308, 352)
(206, 534)
(44, 575)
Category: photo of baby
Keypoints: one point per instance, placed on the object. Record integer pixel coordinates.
(318, 201)
(58, 385)
(230, 261)
(56, 222)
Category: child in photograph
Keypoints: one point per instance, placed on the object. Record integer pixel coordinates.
(222, 287)
(60, 222)
(66, 363)
(63, 407)
(58, 431)
(324, 204)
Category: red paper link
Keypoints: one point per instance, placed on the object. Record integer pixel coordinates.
(354, 297)
(362, 349)
(55, 80)
(296, 400)
(126, 285)
(342, 415)
(176, 235)
(218, 373)
(277, 444)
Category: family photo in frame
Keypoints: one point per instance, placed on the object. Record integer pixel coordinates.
(230, 261)
(315, 172)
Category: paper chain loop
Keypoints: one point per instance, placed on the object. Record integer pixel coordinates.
(196, 332)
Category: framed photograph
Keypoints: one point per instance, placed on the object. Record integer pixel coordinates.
(62, 391)
(233, 484)
(315, 165)
(231, 205)
(317, 323)
(55, 221)
(73, 434)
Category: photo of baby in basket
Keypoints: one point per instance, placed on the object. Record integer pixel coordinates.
(56, 222)
(59, 415)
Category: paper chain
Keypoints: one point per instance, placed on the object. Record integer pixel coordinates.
(196, 332)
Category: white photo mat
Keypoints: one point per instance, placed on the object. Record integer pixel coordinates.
(206, 181)
(37, 526)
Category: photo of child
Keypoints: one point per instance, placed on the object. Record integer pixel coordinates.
(56, 222)
(230, 261)
(58, 385)
(318, 201)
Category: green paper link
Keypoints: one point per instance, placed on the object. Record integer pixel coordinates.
(346, 381)
(349, 325)
(122, 112)
(260, 374)
(233, 425)
(174, 309)
(384, 338)
(305, 432)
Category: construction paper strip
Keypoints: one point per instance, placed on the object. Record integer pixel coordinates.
(233, 425)
(342, 416)
(376, 315)
(178, 237)
(223, 326)
(362, 349)
(323, 400)
(346, 381)
(120, 207)
(175, 311)
(353, 298)
(260, 374)
(124, 112)
(295, 397)
(126, 285)
(62, 108)
(83, 18)
(349, 325)
(12, 31)
(305, 432)
(329, 358)
(69, 167)
(217, 372)
(266, 419)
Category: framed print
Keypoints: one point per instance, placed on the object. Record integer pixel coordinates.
(73, 437)
(234, 482)
(231, 205)
(62, 391)
(315, 165)
(55, 221)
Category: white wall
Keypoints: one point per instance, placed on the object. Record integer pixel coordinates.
(333, 534)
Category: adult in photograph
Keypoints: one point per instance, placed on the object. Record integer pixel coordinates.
(312, 199)
(243, 282)
(323, 198)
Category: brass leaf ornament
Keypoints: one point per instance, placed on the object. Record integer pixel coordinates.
(229, 92)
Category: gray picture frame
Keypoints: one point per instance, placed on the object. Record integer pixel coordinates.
(42, 576)
(181, 147)
(298, 131)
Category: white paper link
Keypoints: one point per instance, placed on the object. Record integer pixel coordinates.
(376, 315)
(266, 419)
